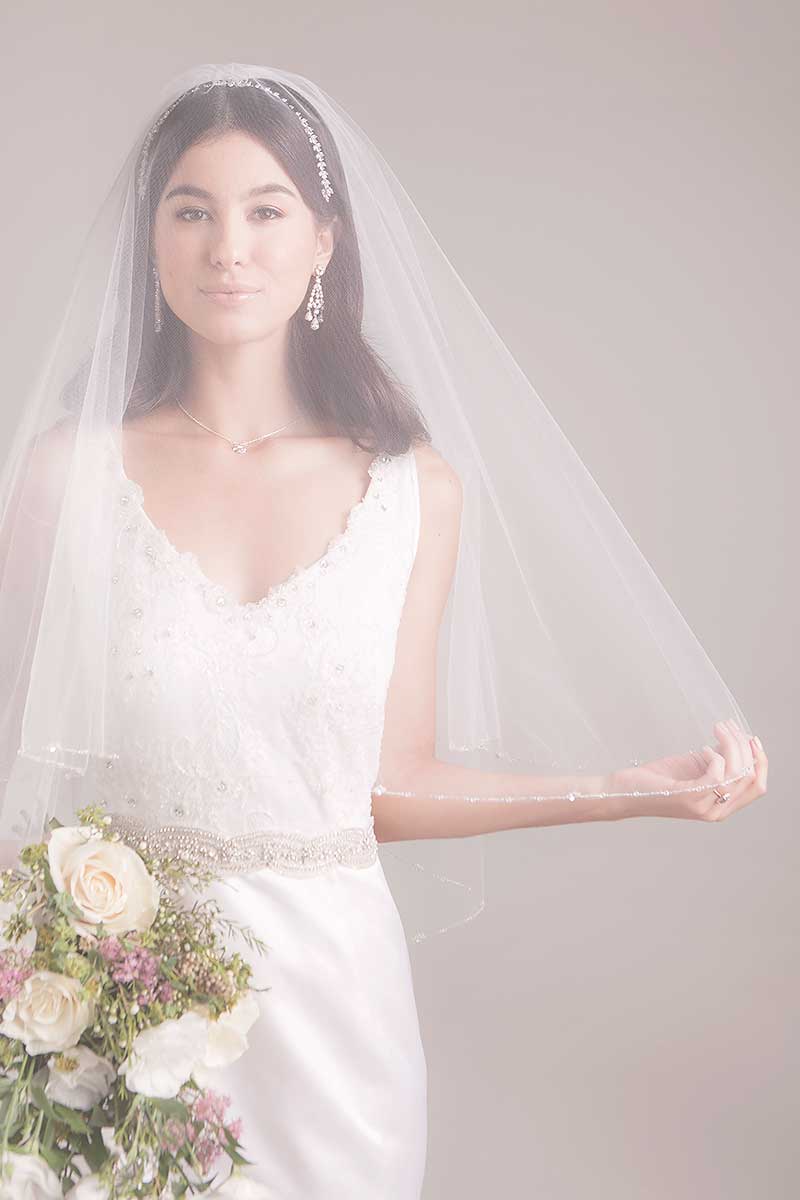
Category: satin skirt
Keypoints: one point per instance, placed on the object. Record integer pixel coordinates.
(333, 1089)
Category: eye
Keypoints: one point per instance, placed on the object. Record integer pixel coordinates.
(184, 214)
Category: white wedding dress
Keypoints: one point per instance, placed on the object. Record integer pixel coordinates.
(255, 729)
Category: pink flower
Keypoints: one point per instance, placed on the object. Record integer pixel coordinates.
(139, 965)
(14, 970)
(110, 948)
(210, 1106)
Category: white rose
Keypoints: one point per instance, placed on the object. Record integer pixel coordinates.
(107, 880)
(164, 1056)
(240, 1187)
(80, 1082)
(88, 1188)
(47, 1013)
(27, 941)
(28, 1177)
(227, 1037)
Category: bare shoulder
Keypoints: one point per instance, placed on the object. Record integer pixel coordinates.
(47, 458)
(51, 451)
(441, 490)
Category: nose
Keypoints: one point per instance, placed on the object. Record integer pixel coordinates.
(229, 244)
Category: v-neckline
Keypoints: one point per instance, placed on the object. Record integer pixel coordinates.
(276, 591)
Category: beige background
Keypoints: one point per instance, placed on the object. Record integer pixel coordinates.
(618, 186)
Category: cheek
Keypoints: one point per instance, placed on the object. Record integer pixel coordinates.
(175, 261)
(287, 265)
(286, 253)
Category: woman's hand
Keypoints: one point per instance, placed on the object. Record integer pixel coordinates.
(735, 753)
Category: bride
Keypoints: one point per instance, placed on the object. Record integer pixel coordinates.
(294, 565)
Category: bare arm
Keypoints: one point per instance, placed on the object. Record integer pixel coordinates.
(408, 761)
(409, 764)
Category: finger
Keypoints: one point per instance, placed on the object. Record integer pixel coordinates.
(748, 789)
(745, 748)
(715, 767)
(719, 769)
(754, 785)
(730, 749)
(761, 765)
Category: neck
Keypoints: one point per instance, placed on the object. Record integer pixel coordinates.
(242, 391)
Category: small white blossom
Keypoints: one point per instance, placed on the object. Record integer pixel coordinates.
(164, 1056)
(27, 1177)
(79, 1078)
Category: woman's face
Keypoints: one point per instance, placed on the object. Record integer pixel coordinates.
(230, 217)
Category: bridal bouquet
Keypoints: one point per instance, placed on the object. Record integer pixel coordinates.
(117, 1003)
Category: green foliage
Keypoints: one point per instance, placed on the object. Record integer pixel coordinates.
(190, 955)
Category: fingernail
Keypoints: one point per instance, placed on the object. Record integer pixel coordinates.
(757, 741)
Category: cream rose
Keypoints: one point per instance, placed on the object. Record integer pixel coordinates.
(107, 880)
(48, 1013)
(27, 1177)
(227, 1037)
(164, 1056)
(79, 1078)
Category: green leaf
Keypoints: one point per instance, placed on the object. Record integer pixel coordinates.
(66, 905)
(49, 882)
(96, 1151)
(41, 1101)
(55, 1158)
(232, 1149)
(97, 1117)
(170, 1108)
(71, 1117)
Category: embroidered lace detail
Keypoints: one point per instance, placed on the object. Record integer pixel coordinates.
(132, 498)
(286, 851)
(263, 716)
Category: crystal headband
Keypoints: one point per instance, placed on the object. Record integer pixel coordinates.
(322, 170)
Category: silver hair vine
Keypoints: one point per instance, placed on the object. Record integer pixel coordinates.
(322, 170)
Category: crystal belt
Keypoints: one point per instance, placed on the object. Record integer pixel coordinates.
(285, 851)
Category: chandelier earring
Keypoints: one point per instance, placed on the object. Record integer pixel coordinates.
(316, 301)
(157, 301)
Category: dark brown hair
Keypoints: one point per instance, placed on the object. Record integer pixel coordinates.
(338, 377)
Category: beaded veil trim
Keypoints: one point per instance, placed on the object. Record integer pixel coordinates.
(286, 851)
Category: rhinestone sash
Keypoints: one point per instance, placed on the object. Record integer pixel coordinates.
(286, 851)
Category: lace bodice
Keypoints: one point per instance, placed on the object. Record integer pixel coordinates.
(248, 717)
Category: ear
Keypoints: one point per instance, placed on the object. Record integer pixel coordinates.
(326, 240)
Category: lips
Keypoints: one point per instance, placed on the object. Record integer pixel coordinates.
(231, 299)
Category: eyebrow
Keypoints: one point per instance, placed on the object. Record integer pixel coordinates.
(189, 189)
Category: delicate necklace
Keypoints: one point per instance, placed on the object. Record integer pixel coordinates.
(237, 447)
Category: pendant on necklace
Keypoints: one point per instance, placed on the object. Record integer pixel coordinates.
(239, 448)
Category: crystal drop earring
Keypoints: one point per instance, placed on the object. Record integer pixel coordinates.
(316, 301)
(157, 301)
